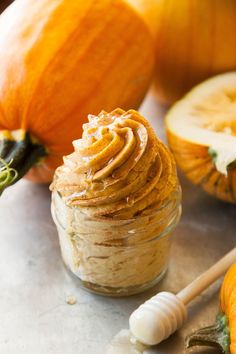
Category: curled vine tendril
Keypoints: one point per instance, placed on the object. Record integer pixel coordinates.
(7, 174)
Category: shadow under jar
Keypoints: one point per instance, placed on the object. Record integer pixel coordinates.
(116, 257)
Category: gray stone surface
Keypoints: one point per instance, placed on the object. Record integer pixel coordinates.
(34, 285)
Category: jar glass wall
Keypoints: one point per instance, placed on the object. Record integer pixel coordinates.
(116, 257)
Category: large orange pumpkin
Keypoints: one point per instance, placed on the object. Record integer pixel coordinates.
(59, 61)
(194, 40)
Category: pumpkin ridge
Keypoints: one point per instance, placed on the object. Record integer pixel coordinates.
(112, 63)
(26, 113)
(107, 69)
(95, 87)
(231, 186)
(208, 175)
(205, 181)
(121, 94)
(194, 168)
(212, 43)
(3, 114)
(75, 109)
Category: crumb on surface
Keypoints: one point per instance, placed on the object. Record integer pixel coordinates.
(71, 300)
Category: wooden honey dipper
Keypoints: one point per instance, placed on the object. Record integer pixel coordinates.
(163, 314)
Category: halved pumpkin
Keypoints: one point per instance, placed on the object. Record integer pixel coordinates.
(201, 132)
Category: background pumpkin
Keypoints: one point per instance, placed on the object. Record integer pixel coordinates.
(194, 40)
(59, 61)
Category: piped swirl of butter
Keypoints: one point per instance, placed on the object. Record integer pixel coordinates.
(119, 168)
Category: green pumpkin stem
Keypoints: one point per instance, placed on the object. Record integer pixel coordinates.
(17, 156)
(213, 336)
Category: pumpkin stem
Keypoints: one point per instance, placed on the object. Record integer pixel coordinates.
(213, 336)
(18, 153)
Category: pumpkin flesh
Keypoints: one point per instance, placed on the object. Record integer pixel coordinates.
(201, 131)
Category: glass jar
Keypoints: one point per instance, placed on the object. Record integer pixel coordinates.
(116, 257)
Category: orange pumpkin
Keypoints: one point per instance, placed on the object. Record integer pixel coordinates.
(228, 304)
(194, 40)
(223, 334)
(59, 61)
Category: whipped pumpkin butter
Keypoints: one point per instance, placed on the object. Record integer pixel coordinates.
(115, 202)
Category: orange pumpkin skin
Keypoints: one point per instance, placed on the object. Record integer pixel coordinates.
(228, 304)
(60, 60)
(198, 43)
(196, 163)
(194, 40)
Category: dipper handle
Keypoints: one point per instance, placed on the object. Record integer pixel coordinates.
(207, 278)
(164, 313)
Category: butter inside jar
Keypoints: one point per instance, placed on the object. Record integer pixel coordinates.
(116, 200)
